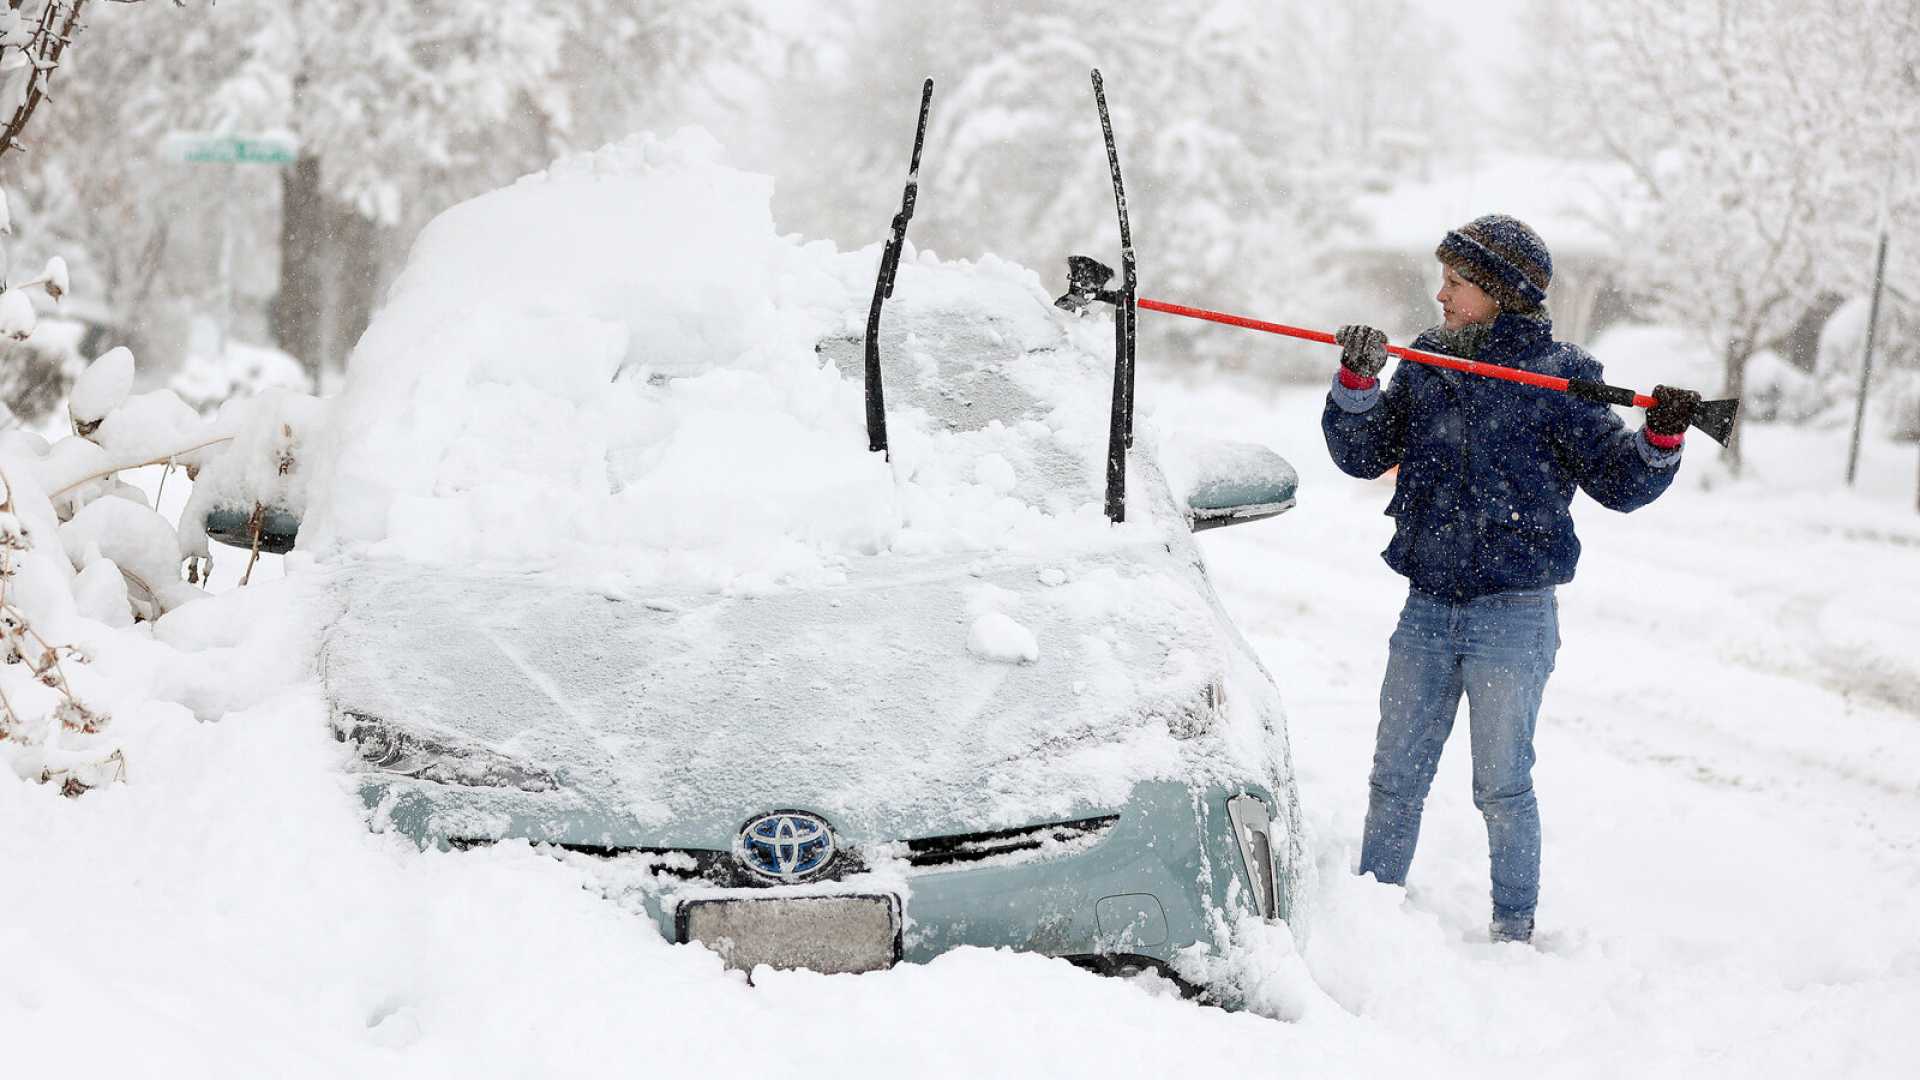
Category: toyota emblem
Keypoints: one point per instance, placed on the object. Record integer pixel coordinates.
(785, 846)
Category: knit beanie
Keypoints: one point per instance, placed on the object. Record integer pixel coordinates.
(1505, 258)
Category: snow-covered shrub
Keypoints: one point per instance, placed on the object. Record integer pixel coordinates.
(115, 429)
(45, 721)
(56, 579)
(82, 555)
(51, 720)
(100, 389)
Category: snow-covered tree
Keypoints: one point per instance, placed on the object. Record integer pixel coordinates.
(399, 111)
(95, 188)
(34, 38)
(1762, 135)
(1220, 208)
(1369, 71)
(1234, 123)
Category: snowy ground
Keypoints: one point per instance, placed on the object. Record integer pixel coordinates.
(1732, 879)
(1731, 793)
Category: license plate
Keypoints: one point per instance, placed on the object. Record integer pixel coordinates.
(829, 934)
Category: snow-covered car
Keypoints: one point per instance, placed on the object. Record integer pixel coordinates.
(615, 572)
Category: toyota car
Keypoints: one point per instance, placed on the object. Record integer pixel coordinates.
(984, 714)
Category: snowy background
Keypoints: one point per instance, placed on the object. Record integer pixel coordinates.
(1728, 784)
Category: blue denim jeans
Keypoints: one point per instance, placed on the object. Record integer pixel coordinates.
(1498, 650)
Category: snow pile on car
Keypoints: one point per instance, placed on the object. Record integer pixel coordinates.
(612, 365)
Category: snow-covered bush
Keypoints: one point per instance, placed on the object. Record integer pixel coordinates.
(83, 556)
(46, 722)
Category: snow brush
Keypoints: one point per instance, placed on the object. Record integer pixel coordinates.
(1087, 279)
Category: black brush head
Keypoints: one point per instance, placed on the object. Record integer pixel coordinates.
(1716, 418)
(1086, 279)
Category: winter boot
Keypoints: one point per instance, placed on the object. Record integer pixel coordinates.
(1511, 928)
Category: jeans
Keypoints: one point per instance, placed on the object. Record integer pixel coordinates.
(1498, 650)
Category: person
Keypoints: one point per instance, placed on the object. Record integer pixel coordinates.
(1482, 533)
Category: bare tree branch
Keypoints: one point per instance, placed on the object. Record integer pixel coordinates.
(57, 23)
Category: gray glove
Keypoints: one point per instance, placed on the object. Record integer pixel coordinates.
(1363, 350)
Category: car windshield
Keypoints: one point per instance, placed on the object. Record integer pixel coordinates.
(976, 382)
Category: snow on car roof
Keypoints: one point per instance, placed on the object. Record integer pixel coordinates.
(613, 364)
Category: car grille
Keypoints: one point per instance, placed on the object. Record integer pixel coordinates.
(721, 869)
(684, 864)
(704, 865)
(975, 847)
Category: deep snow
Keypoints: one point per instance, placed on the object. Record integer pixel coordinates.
(1730, 881)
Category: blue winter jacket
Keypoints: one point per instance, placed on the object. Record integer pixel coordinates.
(1488, 467)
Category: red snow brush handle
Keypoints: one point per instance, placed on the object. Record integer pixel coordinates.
(1087, 280)
(1581, 387)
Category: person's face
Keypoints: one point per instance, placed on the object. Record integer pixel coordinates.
(1462, 303)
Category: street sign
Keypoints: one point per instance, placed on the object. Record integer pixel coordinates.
(227, 148)
(206, 148)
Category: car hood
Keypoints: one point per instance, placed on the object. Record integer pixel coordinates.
(667, 721)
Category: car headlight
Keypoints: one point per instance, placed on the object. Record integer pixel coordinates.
(394, 750)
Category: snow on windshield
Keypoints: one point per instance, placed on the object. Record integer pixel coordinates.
(613, 365)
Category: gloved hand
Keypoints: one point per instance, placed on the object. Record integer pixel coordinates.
(1363, 350)
(1672, 410)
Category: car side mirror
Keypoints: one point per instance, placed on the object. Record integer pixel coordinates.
(278, 529)
(1231, 482)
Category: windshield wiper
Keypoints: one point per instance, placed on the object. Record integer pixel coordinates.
(883, 287)
(1120, 433)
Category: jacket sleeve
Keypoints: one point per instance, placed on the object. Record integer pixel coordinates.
(1367, 429)
(1618, 467)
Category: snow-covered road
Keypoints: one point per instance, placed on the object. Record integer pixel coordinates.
(1731, 794)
